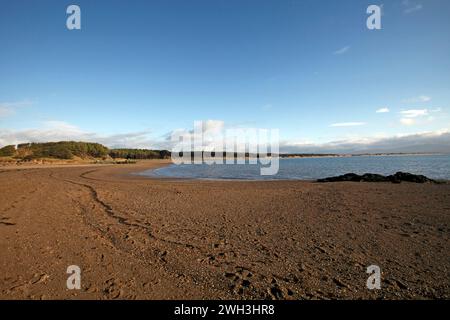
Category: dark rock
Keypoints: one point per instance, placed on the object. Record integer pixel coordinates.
(409, 177)
(345, 177)
(372, 177)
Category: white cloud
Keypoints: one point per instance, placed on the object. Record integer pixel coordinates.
(431, 141)
(417, 116)
(207, 134)
(16, 104)
(414, 113)
(418, 99)
(347, 124)
(5, 112)
(8, 108)
(412, 9)
(62, 126)
(437, 141)
(424, 98)
(63, 131)
(213, 126)
(342, 50)
(383, 110)
(407, 121)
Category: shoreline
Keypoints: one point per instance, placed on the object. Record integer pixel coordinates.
(137, 169)
(140, 238)
(366, 155)
(174, 178)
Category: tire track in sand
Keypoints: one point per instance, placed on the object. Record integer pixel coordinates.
(117, 217)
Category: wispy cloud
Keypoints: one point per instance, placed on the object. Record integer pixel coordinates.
(431, 141)
(60, 131)
(415, 116)
(5, 112)
(414, 113)
(413, 9)
(410, 7)
(8, 108)
(16, 104)
(435, 141)
(409, 117)
(422, 98)
(407, 121)
(347, 124)
(342, 50)
(382, 110)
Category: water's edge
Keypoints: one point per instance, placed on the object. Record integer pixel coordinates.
(310, 169)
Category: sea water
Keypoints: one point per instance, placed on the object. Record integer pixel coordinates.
(432, 166)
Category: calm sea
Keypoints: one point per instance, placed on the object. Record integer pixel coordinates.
(432, 166)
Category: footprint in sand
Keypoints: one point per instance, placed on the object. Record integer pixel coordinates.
(240, 280)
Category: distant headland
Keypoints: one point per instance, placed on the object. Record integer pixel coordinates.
(73, 151)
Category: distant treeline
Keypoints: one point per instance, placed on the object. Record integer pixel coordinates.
(254, 155)
(71, 149)
(139, 154)
(86, 150)
(307, 155)
(204, 154)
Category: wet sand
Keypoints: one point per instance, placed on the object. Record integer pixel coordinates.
(140, 238)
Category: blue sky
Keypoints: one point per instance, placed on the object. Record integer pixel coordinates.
(139, 69)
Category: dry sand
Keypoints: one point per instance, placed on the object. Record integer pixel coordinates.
(135, 237)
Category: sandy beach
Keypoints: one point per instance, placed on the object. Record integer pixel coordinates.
(140, 238)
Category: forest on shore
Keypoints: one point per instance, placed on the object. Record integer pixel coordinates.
(74, 149)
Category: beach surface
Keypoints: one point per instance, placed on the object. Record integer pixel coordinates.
(140, 238)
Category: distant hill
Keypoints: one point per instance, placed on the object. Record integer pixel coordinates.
(72, 149)
(67, 150)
